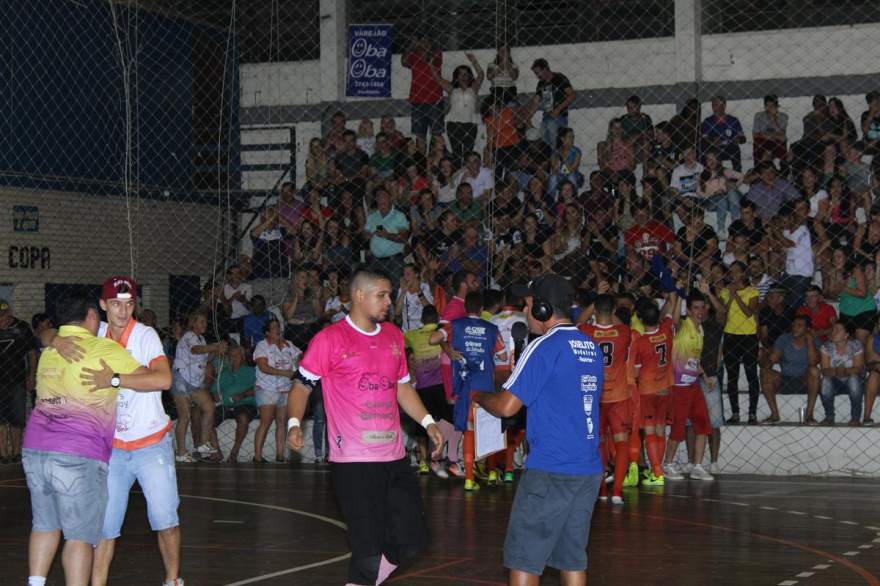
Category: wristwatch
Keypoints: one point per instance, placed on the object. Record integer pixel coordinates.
(115, 380)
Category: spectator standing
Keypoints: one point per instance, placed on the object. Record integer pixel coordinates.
(68, 443)
(387, 230)
(711, 381)
(503, 73)
(791, 368)
(724, 133)
(553, 96)
(503, 142)
(741, 339)
(799, 263)
(638, 128)
(822, 315)
(769, 132)
(413, 296)
(425, 93)
(276, 360)
(842, 363)
(461, 119)
(559, 379)
(18, 370)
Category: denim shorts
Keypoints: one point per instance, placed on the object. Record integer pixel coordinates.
(180, 386)
(550, 522)
(270, 397)
(153, 468)
(68, 492)
(425, 117)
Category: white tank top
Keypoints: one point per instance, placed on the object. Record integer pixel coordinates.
(462, 106)
(141, 420)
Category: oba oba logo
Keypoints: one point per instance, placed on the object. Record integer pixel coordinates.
(361, 51)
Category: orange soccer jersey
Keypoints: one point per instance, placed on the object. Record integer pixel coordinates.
(651, 354)
(614, 341)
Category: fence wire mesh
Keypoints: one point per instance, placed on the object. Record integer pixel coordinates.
(208, 148)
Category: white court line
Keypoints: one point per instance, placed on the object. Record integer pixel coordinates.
(823, 517)
(851, 553)
(849, 522)
(290, 571)
(766, 508)
(821, 567)
(804, 574)
(788, 583)
(796, 512)
(872, 528)
(229, 521)
(866, 546)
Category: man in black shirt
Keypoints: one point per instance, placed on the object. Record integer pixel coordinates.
(553, 96)
(18, 367)
(748, 224)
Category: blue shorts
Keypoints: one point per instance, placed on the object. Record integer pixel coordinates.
(67, 492)
(550, 522)
(270, 397)
(153, 468)
(425, 117)
(180, 386)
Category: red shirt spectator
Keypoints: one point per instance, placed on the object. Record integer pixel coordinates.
(648, 237)
(822, 315)
(424, 88)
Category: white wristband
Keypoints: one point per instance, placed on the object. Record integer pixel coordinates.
(427, 420)
(291, 423)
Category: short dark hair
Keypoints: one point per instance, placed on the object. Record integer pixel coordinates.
(74, 308)
(634, 99)
(348, 133)
(604, 304)
(694, 297)
(268, 325)
(258, 299)
(39, 318)
(430, 315)
(814, 289)
(492, 297)
(871, 96)
(806, 319)
(540, 63)
(458, 278)
(473, 302)
(747, 203)
(511, 298)
(648, 312)
(771, 99)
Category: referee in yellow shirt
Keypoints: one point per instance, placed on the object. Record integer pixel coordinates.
(741, 339)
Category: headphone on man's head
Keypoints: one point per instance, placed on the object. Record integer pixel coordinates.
(542, 310)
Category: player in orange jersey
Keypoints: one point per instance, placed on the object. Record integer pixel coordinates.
(615, 416)
(649, 367)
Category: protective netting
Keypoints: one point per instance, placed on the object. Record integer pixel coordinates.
(208, 147)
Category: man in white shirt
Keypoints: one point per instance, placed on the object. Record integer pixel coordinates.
(142, 446)
(238, 294)
(686, 177)
(480, 178)
(798, 246)
(412, 297)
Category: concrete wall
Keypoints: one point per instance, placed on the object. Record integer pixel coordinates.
(88, 239)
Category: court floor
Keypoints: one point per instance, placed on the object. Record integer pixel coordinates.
(279, 524)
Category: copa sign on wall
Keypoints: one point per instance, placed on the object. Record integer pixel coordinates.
(369, 61)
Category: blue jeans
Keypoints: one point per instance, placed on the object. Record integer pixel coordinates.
(319, 421)
(153, 468)
(797, 289)
(851, 385)
(722, 204)
(550, 130)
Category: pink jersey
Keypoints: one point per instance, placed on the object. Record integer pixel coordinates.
(359, 373)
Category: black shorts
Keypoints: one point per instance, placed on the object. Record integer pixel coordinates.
(382, 508)
(13, 400)
(222, 413)
(861, 321)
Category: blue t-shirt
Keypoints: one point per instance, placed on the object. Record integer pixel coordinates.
(252, 328)
(475, 338)
(559, 378)
(726, 130)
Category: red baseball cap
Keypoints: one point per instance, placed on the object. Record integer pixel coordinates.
(119, 287)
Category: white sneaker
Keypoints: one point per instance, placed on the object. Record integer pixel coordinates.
(616, 500)
(186, 458)
(609, 479)
(440, 470)
(178, 582)
(700, 473)
(671, 472)
(714, 469)
(686, 468)
(206, 449)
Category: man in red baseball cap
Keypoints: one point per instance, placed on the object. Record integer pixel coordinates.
(142, 444)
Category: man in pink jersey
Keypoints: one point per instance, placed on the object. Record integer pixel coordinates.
(361, 364)
(142, 446)
(463, 282)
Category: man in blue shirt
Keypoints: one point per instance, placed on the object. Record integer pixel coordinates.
(724, 133)
(559, 378)
(254, 322)
(387, 230)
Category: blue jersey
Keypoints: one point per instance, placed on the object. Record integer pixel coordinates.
(476, 339)
(559, 378)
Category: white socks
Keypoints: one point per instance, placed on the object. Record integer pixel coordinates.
(36, 581)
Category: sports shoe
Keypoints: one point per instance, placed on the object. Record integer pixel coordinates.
(424, 468)
(646, 473)
(177, 582)
(439, 470)
(493, 479)
(671, 472)
(186, 458)
(455, 470)
(632, 475)
(616, 500)
(206, 449)
(508, 477)
(471, 486)
(714, 469)
(609, 479)
(700, 473)
(686, 468)
(603, 497)
(653, 480)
